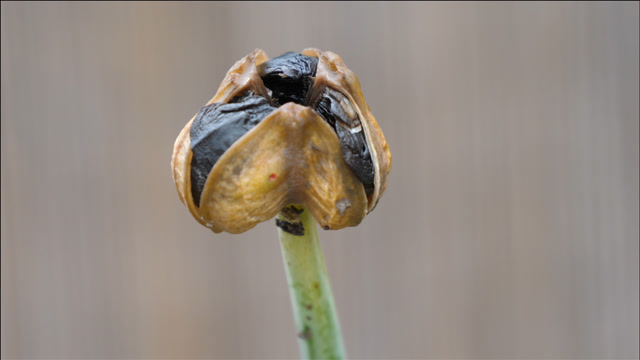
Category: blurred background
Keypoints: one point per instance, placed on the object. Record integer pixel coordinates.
(509, 228)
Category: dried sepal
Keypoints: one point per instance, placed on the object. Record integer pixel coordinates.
(333, 73)
(261, 174)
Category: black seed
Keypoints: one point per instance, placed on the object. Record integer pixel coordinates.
(354, 146)
(216, 128)
(289, 77)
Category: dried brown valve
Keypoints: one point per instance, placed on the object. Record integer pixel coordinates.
(291, 130)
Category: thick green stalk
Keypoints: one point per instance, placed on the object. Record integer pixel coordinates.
(314, 311)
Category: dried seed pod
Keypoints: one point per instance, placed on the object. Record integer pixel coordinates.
(291, 130)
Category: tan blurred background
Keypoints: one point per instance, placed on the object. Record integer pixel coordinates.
(509, 228)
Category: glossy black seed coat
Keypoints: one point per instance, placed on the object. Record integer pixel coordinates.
(354, 146)
(216, 128)
(289, 77)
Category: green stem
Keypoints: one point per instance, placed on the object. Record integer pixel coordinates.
(314, 311)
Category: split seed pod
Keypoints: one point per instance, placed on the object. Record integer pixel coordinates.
(291, 130)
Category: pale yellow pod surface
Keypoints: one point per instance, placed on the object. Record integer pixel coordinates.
(291, 157)
(242, 76)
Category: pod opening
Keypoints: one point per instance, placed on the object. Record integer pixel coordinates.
(288, 78)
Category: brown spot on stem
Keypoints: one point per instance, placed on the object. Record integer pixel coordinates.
(296, 229)
(291, 222)
(305, 334)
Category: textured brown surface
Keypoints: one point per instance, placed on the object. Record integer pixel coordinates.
(292, 157)
(333, 73)
(509, 228)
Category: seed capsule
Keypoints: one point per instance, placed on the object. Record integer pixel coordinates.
(291, 130)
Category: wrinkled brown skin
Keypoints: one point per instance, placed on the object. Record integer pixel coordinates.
(292, 157)
(333, 73)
